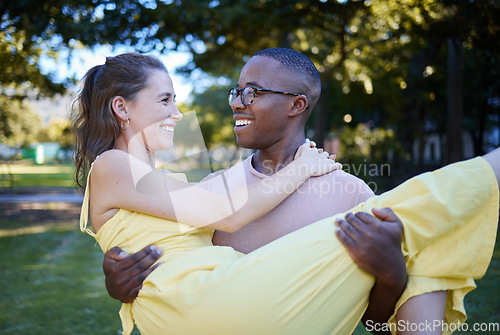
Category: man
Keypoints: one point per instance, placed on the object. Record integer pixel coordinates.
(276, 92)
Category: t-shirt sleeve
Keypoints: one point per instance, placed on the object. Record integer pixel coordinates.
(365, 192)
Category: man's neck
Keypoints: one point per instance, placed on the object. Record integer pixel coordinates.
(269, 161)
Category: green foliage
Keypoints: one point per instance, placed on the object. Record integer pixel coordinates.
(58, 130)
(367, 152)
(19, 125)
(215, 115)
(31, 30)
(392, 50)
(382, 61)
(361, 141)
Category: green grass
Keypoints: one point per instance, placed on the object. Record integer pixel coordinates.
(37, 175)
(52, 283)
(483, 304)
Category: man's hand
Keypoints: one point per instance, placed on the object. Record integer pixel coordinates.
(125, 274)
(374, 244)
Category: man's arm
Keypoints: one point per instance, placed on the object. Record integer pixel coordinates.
(374, 244)
(125, 274)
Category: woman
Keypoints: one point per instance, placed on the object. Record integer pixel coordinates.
(302, 282)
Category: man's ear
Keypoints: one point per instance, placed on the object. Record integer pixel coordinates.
(300, 104)
(119, 108)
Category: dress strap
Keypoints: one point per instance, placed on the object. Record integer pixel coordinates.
(84, 214)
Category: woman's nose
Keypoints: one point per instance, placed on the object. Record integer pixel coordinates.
(177, 116)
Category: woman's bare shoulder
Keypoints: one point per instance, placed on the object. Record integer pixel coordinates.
(111, 156)
(108, 165)
(110, 159)
(119, 166)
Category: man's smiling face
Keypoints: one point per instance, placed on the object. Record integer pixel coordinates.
(264, 122)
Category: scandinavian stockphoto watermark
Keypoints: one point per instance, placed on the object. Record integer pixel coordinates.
(368, 170)
(333, 183)
(432, 326)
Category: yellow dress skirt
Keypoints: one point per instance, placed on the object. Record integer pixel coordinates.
(305, 282)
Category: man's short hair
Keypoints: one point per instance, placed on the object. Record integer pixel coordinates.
(297, 63)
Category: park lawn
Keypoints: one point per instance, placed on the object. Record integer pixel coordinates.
(483, 304)
(37, 175)
(62, 175)
(52, 283)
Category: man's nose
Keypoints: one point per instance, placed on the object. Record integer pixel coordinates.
(237, 103)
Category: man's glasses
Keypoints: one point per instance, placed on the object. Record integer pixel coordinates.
(248, 94)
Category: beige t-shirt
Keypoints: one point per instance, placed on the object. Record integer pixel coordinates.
(318, 198)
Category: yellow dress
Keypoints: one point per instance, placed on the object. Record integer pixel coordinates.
(305, 282)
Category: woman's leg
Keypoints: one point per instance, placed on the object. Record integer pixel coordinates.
(422, 314)
(303, 283)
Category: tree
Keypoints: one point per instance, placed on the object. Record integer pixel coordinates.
(19, 125)
(389, 43)
(380, 60)
(58, 130)
(455, 110)
(216, 117)
(33, 29)
(18, 128)
(481, 91)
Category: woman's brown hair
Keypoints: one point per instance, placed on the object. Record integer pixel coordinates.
(96, 127)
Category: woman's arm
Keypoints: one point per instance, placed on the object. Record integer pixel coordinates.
(115, 173)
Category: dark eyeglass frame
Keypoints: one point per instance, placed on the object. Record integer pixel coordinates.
(255, 90)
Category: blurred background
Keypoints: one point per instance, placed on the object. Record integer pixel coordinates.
(407, 86)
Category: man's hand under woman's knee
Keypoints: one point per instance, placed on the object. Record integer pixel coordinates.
(126, 273)
(374, 244)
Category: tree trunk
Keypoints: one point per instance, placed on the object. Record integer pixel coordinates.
(454, 122)
(478, 136)
(413, 116)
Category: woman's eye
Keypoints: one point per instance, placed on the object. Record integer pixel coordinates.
(168, 99)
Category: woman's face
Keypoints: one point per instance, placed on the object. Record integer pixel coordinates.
(153, 113)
